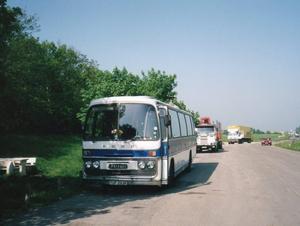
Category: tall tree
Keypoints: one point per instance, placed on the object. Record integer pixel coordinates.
(159, 85)
(106, 84)
(13, 24)
(43, 85)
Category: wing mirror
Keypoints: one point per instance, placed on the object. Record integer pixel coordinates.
(167, 120)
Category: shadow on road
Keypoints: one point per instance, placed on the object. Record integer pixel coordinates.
(101, 201)
(210, 151)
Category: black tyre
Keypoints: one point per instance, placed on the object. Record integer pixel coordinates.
(199, 149)
(171, 176)
(189, 168)
(220, 146)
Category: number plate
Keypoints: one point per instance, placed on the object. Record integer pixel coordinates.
(117, 166)
(117, 182)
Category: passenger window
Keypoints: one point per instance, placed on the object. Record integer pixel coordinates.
(189, 125)
(182, 124)
(162, 113)
(175, 124)
(193, 125)
(169, 132)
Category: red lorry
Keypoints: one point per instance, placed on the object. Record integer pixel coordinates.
(209, 135)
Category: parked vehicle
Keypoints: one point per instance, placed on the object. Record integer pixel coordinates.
(209, 135)
(266, 142)
(239, 134)
(136, 141)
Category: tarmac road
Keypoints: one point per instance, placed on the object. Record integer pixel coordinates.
(246, 184)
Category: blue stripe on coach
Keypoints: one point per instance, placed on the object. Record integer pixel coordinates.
(117, 153)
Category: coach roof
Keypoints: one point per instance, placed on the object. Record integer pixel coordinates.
(124, 99)
(132, 99)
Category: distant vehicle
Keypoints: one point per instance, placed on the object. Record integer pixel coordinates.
(239, 134)
(208, 135)
(136, 141)
(266, 142)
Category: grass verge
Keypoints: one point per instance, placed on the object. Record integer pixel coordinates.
(291, 145)
(273, 136)
(58, 167)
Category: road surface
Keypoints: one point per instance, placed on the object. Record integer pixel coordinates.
(246, 184)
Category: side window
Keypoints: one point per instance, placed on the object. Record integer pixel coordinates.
(162, 113)
(175, 124)
(189, 125)
(192, 124)
(182, 124)
(88, 127)
(169, 132)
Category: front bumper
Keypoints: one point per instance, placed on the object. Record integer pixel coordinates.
(125, 177)
(206, 146)
(121, 181)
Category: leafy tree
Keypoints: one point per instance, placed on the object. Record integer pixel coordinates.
(100, 84)
(122, 83)
(9, 26)
(43, 87)
(196, 117)
(63, 81)
(40, 82)
(180, 104)
(13, 25)
(158, 84)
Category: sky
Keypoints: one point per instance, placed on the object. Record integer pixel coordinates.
(237, 61)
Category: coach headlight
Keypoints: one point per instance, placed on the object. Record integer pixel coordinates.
(150, 164)
(96, 164)
(141, 164)
(88, 164)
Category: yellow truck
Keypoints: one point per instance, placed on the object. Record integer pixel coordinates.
(239, 134)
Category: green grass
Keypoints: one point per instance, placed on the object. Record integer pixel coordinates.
(273, 136)
(58, 167)
(58, 156)
(291, 145)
